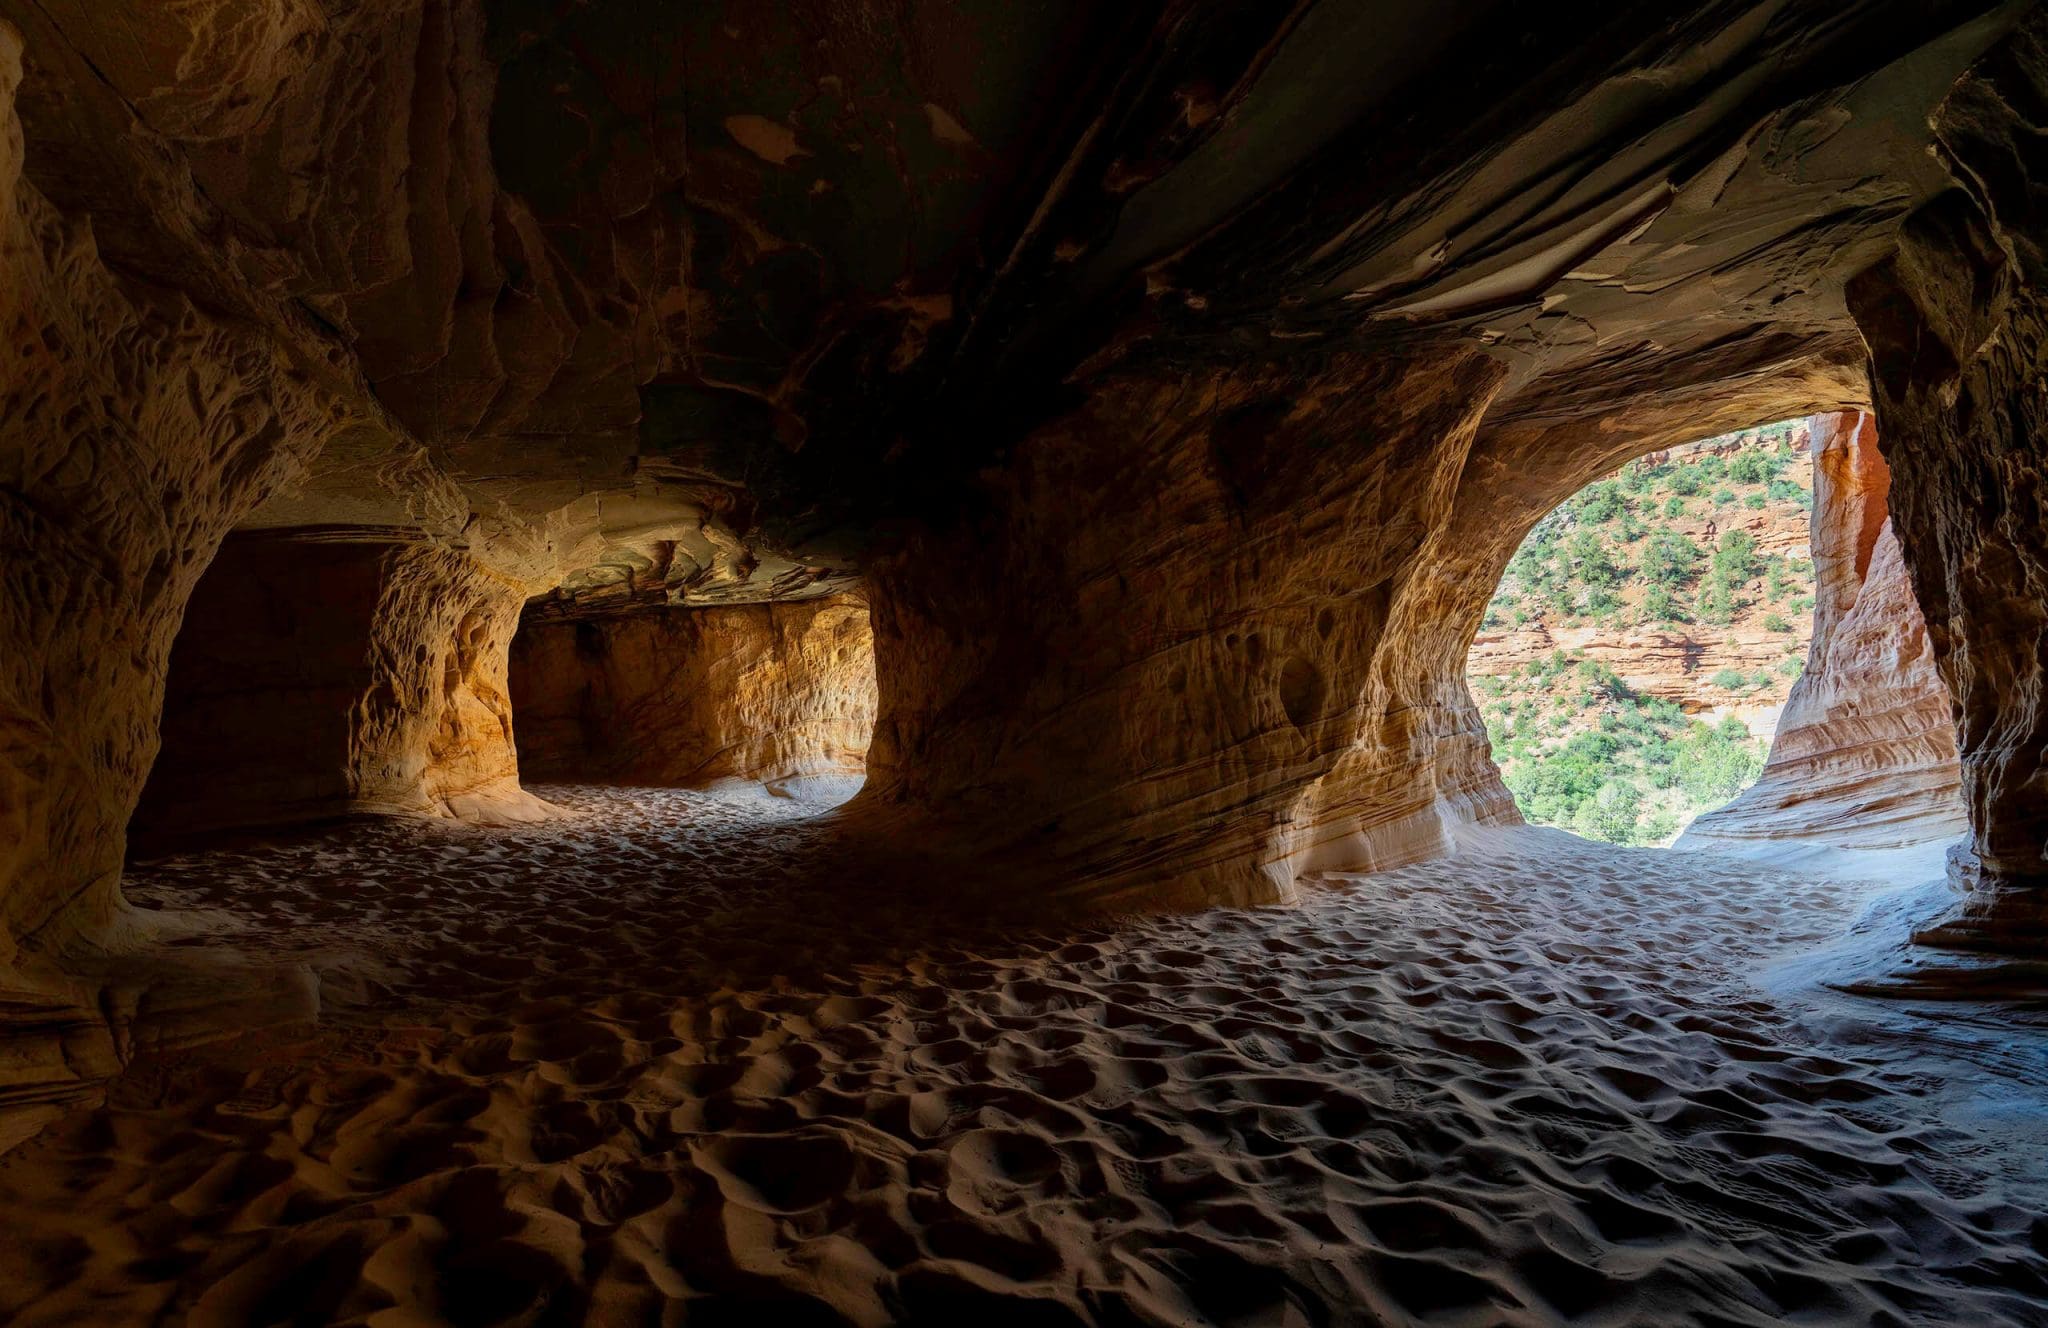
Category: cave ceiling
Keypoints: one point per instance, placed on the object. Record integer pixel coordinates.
(729, 287)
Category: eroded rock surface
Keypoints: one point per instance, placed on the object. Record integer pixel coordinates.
(1179, 423)
(675, 697)
(1165, 658)
(320, 677)
(1865, 752)
(1957, 323)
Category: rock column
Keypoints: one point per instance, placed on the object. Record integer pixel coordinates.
(1865, 753)
(1957, 325)
(1161, 662)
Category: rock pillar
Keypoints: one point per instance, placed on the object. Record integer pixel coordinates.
(1957, 325)
(1865, 752)
(1161, 662)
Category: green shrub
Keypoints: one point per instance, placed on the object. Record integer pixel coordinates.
(1729, 680)
(1775, 622)
(1592, 562)
(1716, 603)
(1754, 502)
(1674, 507)
(1600, 503)
(1735, 560)
(1724, 497)
(1752, 466)
(1670, 559)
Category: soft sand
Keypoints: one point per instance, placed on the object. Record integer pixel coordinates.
(624, 1068)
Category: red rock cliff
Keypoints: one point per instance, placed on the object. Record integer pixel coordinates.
(1865, 754)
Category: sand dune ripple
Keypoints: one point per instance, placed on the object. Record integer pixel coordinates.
(628, 1068)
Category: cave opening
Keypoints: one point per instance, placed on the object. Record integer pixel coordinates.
(778, 697)
(1632, 664)
(1718, 647)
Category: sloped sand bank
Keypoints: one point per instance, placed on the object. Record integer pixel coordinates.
(626, 1069)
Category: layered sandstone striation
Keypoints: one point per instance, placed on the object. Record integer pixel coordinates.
(780, 694)
(1865, 752)
(1957, 324)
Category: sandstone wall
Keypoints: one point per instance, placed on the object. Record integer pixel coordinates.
(1865, 754)
(1957, 324)
(322, 675)
(138, 429)
(1169, 658)
(681, 696)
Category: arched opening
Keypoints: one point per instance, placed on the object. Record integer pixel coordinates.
(779, 696)
(1717, 647)
(1632, 665)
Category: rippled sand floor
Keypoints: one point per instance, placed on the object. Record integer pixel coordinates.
(627, 1069)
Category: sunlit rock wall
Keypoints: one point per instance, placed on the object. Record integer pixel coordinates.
(683, 696)
(1865, 753)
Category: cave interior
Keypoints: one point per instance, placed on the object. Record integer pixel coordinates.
(651, 655)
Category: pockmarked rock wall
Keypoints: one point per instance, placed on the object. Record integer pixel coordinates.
(684, 696)
(349, 673)
(138, 428)
(1865, 753)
